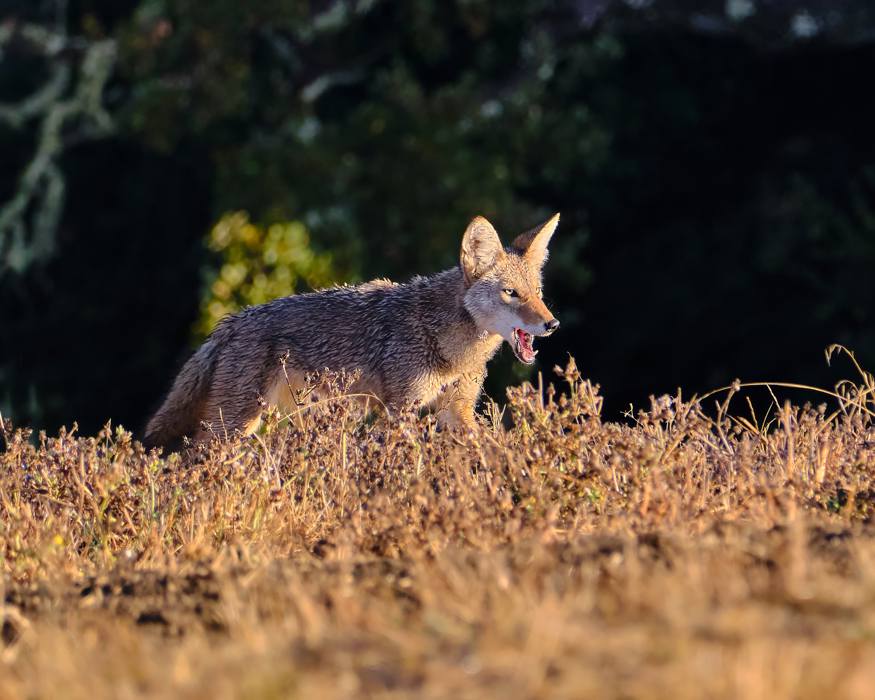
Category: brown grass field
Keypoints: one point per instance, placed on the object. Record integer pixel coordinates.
(700, 551)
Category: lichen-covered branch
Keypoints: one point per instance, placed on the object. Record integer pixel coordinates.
(68, 107)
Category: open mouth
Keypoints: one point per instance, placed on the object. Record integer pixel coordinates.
(522, 346)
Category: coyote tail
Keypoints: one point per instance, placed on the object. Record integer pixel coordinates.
(181, 413)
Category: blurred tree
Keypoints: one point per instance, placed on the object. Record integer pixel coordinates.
(712, 162)
(65, 108)
(436, 97)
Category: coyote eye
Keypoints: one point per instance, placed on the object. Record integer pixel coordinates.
(510, 292)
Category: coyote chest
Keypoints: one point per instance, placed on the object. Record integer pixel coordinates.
(445, 375)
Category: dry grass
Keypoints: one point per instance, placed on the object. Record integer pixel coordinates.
(682, 556)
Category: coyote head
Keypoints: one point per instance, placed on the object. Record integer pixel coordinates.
(503, 285)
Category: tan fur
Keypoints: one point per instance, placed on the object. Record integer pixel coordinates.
(425, 342)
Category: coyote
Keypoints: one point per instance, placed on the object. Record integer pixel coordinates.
(425, 342)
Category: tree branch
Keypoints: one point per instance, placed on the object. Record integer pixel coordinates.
(63, 117)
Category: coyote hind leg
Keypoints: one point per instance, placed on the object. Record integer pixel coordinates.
(225, 419)
(223, 426)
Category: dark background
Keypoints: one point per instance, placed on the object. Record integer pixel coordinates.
(714, 163)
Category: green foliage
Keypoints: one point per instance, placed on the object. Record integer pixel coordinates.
(257, 264)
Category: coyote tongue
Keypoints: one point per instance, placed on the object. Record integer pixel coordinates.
(522, 346)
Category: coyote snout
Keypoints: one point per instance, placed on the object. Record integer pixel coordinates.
(423, 342)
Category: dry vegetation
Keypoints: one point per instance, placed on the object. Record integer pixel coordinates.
(687, 555)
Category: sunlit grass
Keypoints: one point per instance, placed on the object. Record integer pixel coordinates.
(696, 552)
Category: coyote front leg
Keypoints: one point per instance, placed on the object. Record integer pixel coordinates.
(459, 400)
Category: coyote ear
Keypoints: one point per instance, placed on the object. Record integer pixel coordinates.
(481, 249)
(533, 244)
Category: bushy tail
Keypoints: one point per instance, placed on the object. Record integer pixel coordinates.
(182, 410)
